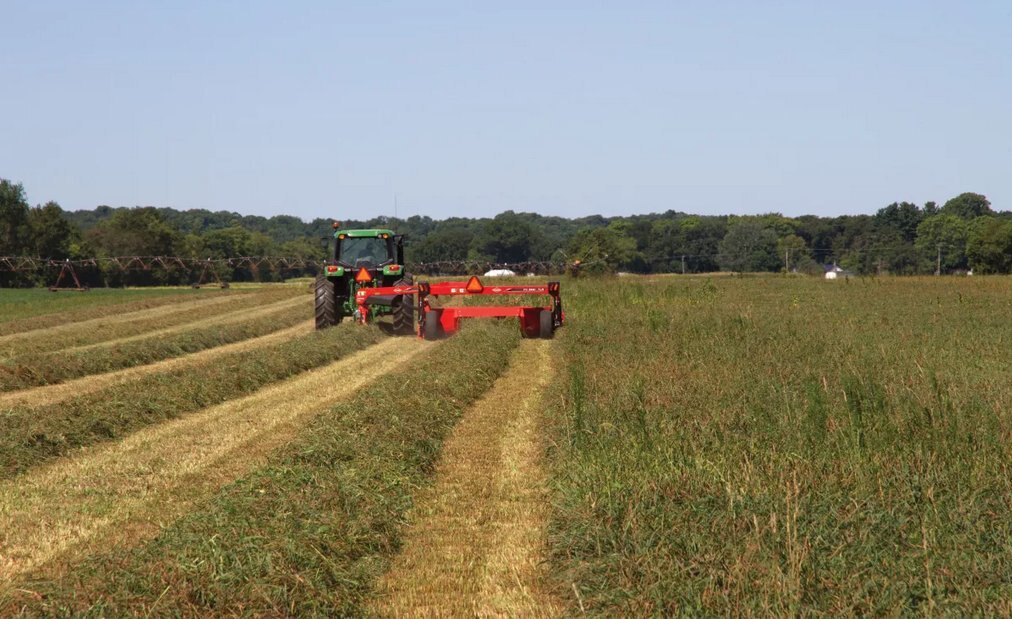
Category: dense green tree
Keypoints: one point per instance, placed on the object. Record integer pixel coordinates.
(700, 242)
(780, 225)
(854, 244)
(602, 250)
(304, 248)
(968, 206)
(662, 246)
(13, 219)
(749, 246)
(900, 238)
(943, 238)
(440, 246)
(227, 243)
(989, 245)
(134, 232)
(894, 254)
(903, 217)
(507, 238)
(692, 238)
(820, 235)
(794, 250)
(50, 234)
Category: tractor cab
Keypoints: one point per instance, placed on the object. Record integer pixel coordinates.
(368, 248)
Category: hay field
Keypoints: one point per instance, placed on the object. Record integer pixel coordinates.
(685, 445)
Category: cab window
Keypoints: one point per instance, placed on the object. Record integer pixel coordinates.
(363, 251)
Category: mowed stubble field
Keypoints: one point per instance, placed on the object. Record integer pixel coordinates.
(698, 445)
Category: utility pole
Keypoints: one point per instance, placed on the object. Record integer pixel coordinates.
(938, 262)
(787, 260)
(683, 264)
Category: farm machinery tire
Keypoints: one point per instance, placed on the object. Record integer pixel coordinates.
(547, 324)
(326, 303)
(404, 309)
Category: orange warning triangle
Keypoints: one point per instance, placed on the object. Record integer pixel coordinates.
(474, 284)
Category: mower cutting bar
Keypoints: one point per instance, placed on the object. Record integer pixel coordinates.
(435, 322)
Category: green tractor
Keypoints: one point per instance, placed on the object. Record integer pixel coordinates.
(364, 258)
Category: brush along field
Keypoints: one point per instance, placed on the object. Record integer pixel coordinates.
(724, 445)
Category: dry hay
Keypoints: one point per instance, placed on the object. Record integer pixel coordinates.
(117, 493)
(51, 394)
(223, 319)
(477, 544)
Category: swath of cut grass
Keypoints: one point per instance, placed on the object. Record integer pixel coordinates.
(308, 534)
(108, 314)
(32, 436)
(52, 394)
(117, 493)
(138, 324)
(476, 544)
(31, 308)
(208, 320)
(50, 368)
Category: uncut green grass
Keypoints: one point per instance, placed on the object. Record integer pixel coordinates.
(36, 369)
(32, 436)
(59, 307)
(776, 445)
(308, 534)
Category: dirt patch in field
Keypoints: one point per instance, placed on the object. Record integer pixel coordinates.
(119, 493)
(51, 394)
(476, 545)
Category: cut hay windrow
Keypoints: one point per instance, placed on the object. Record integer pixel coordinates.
(117, 493)
(32, 435)
(209, 319)
(310, 533)
(136, 324)
(477, 541)
(51, 394)
(111, 315)
(50, 368)
(26, 309)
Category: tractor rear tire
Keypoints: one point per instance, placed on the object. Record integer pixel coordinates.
(547, 324)
(326, 303)
(433, 328)
(404, 309)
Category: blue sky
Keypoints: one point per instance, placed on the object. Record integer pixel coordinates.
(327, 109)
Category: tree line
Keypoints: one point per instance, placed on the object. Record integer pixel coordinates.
(902, 238)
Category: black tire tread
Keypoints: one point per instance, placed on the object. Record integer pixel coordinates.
(326, 303)
(433, 329)
(547, 324)
(404, 309)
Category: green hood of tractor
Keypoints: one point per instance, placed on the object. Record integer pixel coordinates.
(366, 233)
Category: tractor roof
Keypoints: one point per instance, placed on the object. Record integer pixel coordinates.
(365, 233)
